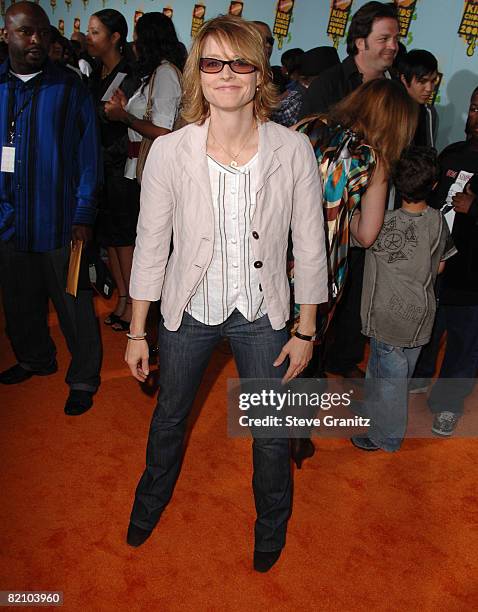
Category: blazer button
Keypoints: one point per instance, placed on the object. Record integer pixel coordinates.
(255, 235)
(258, 264)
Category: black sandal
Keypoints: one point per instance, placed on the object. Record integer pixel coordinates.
(120, 324)
(112, 317)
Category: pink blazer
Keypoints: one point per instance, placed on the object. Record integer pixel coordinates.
(176, 200)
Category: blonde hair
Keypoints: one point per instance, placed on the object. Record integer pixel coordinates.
(382, 114)
(244, 38)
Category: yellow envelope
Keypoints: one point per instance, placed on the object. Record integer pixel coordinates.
(74, 267)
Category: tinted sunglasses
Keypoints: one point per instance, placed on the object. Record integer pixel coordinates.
(212, 65)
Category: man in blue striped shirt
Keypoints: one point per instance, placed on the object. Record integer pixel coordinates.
(48, 183)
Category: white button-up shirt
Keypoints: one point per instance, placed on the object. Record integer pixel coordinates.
(231, 281)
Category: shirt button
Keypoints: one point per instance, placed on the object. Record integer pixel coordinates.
(255, 235)
(234, 216)
(234, 264)
(258, 264)
(235, 285)
(234, 241)
(233, 191)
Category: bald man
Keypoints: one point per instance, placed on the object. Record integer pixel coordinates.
(48, 183)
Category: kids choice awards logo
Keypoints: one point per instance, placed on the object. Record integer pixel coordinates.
(339, 16)
(168, 11)
(137, 15)
(282, 21)
(236, 8)
(406, 14)
(468, 29)
(199, 13)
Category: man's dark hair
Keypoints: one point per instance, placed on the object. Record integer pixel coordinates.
(290, 59)
(56, 36)
(415, 173)
(417, 63)
(362, 21)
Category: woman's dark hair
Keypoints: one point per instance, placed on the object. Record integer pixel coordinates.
(114, 21)
(362, 21)
(156, 40)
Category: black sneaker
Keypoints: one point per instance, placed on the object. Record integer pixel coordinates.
(444, 423)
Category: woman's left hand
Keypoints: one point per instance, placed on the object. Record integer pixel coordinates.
(299, 353)
(114, 111)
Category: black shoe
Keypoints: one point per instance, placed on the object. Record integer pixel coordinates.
(78, 402)
(364, 443)
(16, 374)
(300, 449)
(137, 536)
(263, 561)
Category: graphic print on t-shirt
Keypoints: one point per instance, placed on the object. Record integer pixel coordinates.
(397, 242)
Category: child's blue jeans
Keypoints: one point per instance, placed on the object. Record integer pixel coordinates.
(392, 366)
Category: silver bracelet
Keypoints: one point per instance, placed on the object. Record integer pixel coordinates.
(136, 336)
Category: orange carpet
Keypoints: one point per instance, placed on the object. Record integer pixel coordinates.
(369, 531)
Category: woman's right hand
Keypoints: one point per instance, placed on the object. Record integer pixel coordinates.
(137, 358)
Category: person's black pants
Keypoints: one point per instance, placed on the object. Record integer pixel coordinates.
(460, 363)
(345, 343)
(28, 281)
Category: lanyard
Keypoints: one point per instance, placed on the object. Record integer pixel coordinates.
(12, 116)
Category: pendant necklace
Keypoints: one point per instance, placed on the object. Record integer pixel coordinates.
(233, 163)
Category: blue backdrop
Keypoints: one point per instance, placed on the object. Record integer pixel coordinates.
(434, 26)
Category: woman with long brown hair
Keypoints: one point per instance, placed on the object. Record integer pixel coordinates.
(356, 145)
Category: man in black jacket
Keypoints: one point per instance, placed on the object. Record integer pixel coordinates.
(418, 72)
(372, 44)
(457, 197)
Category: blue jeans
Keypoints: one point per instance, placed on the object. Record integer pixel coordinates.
(392, 366)
(460, 360)
(184, 357)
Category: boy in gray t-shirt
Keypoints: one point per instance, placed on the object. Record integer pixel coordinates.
(398, 297)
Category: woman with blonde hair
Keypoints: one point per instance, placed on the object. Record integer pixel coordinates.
(356, 144)
(226, 188)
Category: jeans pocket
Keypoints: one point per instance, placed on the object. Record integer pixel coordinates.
(384, 349)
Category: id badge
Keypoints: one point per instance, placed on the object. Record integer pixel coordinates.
(8, 159)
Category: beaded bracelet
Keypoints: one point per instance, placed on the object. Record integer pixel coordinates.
(136, 337)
